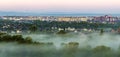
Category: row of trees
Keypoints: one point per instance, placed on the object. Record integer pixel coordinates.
(20, 39)
(47, 25)
(16, 38)
(44, 25)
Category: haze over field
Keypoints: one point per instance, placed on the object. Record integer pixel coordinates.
(92, 40)
(92, 45)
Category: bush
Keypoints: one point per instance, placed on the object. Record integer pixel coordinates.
(73, 44)
(28, 40)
(61, 32)
(2, 33)
(18, 38)
(101, 31)
(6, 38)
(102, 49)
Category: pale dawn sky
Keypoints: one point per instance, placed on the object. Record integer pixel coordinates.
(66, 6)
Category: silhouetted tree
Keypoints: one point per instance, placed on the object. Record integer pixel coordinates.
(28, 40)
(101, 31)
(33, 28)
(118, 30)
(101, 49)
(61, 32)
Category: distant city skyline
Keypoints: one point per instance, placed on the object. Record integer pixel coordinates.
(61, 6)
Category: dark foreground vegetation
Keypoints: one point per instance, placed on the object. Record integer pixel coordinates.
(16, 38)
(68, 50)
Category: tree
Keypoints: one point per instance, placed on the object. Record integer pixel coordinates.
(33, 28)
(101, 31)
(118, 30)
(6, 38)
(28, 40)
(101, 49)
(17, 38)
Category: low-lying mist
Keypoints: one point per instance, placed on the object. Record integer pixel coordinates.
(92, 39)
(67, 45)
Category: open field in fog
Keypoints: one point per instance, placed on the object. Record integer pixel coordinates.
(92, 39)
(67, 45)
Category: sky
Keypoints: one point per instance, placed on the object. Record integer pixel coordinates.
(61, 6)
